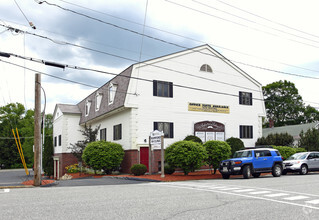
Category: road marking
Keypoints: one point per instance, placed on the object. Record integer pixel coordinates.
(296, 198)
(244, 190)
(277, 195)
(259, 192)
(230, 188)
(315, 202)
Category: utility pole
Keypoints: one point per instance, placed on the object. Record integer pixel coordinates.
(37, 130)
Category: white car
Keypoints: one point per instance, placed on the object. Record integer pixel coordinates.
(302, 163)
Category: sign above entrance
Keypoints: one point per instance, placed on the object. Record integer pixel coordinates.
(198, 107)
(209, 130)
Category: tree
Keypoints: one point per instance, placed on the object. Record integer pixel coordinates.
(286, 152)
(217, 151)
(309, 139)
(235, 144)
(187, 155)
(310, 114)
(283, 103)
(48, 146)
(103, 155)
(89, 136)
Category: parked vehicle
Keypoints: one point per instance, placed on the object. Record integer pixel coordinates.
(252, 162)
(302, 163)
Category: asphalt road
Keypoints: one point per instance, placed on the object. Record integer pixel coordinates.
(286, 197)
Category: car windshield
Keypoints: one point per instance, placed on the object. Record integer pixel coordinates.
(298, 156)
(240, 154)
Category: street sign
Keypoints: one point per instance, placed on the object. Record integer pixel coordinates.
(156, 139)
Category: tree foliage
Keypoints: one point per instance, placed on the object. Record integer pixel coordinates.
(103, 155)
(187, 155)
(48, 146)
(217, 151)
(277, 139)
(193, 138)
(309, 139)
(235, 144)
(89, 135)
(283, 103)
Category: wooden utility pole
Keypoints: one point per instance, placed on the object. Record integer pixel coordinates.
(37, 130)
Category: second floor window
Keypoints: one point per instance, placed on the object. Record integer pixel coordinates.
(162, 89)
(245, 98)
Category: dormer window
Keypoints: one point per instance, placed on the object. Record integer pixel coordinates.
(87, 107)
(98, 100)
(206, 68)
(112, 92)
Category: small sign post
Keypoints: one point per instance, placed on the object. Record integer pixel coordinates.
(157, 140)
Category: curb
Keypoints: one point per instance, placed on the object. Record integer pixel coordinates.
(16, 187)
(133, 178)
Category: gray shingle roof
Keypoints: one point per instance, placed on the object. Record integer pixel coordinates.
(293, 130)
(66, 108)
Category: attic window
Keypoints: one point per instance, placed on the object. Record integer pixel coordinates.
(112, 92)
(206, 68)
(98, 100)
(87, 107)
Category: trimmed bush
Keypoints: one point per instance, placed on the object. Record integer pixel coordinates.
(138, 169)
(187, 155)
(193, 138)
(103, 155)
(217, 151)
(235, 144)
(288, 151)
(169, 169)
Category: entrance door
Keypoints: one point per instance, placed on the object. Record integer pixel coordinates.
(144, 157)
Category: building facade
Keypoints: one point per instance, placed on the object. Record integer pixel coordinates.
(192, 92)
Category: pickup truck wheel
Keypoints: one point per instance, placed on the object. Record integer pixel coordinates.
(303, 170)
(276, 170)
(256, 175)
(225, 176)
(246, 172)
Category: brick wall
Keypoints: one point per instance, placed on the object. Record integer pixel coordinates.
(130, 157)
(65, 159)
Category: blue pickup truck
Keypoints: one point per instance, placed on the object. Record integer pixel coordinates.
(252, 162)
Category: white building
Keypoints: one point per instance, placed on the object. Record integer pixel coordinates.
(192, 92)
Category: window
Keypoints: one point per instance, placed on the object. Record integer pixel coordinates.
(262, 153)
(98, 100)
(60, 140)
(87, 107)
(166, 127)
(162, 89)
(206, 68)
(103, 134)
(246, 131)
(112, 92)
(55, 141)
(245, 98)
(117, 132)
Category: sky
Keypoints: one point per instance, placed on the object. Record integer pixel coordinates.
(270, 40)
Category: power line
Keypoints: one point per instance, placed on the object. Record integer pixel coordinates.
(240, 24)
(254, 22)
(30, 23)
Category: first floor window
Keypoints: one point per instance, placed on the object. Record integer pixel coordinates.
(55, 141)
(60, 140)
(103, 134)
(117, 132)
(166, 127)
(246, 131)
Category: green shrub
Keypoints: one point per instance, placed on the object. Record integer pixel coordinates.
(309, 139)
(187, 155)
(169, 169)
(278, 139)
(235, 144)
(217, 151)
(288, 151)
(193, 138)
(102, 155)
(138, 169)
(300, 149)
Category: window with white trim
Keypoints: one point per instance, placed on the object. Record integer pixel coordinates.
(166, 127)
(112, 92)
(162, 89)
(98, 100)
(87, 107)
(246, 131)
(206, 68)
